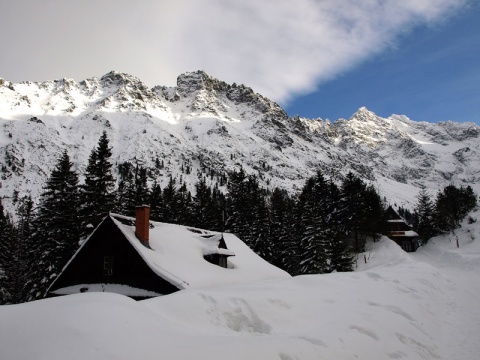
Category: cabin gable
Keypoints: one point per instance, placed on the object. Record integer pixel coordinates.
(109, 258)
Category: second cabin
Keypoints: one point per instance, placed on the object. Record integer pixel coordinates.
(399, 231)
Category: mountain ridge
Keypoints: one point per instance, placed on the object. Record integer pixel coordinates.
(214, 127)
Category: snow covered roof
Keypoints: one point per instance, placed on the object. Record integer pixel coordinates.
(177, 253)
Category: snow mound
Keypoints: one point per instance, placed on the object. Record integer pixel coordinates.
(459, 249)
(383, 253)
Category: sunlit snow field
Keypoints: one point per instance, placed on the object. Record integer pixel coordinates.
(424, 305)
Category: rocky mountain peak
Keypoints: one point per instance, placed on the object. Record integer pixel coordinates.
(459, 131)
(211, 95)
(65, 85)
(365, 115)
(119, 79)
(130, 93)
(6, 84)
(190, 82)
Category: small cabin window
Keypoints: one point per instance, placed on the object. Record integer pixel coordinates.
(217, 259)
(108, 265)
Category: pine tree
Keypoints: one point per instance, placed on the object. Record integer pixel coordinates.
(424, 210)
(339, 256)
(219, 206)
(170, 202)
(184, 205)
(282, 232)
(22, 262)
(316, 231)
(373, 213)
(306, 229)
(352, 209)
(204, 207)
(142, 194)
(469, 199)
(156, 202)
(125, 194)
(238, 206)
(10, 261)
(259, 220)
(97, 192)
(248, 213)
(25, 216)
(452, 205)
(55, 235)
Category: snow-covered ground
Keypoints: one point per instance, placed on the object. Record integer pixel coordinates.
(424, 305)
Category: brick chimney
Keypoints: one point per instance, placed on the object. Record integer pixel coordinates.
(142, 223)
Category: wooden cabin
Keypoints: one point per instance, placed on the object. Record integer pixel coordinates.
(109, 259)
(142, 259)
(399, 231)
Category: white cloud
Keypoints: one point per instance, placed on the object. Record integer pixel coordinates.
(279, 48)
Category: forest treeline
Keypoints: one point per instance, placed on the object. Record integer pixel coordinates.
(318, 230)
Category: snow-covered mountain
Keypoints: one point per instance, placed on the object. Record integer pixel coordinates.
(208, 126)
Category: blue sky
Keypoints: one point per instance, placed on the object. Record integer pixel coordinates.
(432, 74)
(317, 58)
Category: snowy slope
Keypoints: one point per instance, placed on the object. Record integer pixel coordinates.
(208, 125)
(396, 306)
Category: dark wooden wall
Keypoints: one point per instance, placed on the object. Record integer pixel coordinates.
(128, 266)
